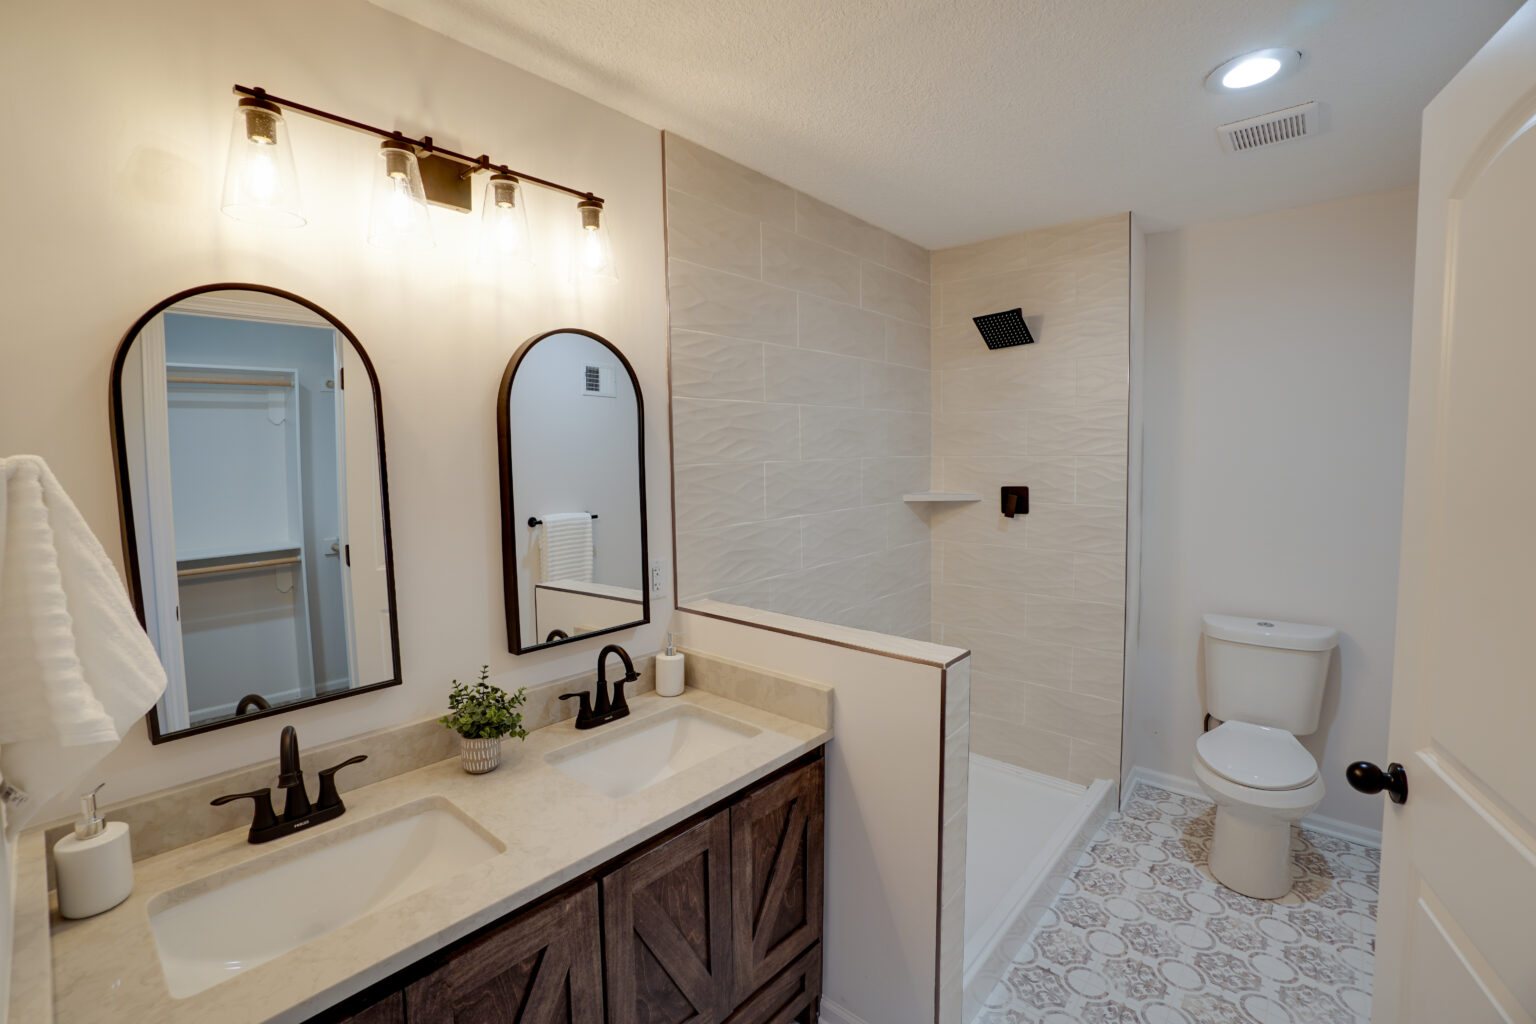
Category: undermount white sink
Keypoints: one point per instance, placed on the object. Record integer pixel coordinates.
(625, 758)
(210, 930)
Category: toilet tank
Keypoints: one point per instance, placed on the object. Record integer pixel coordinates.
(1266, 672)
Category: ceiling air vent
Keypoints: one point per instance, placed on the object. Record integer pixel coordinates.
(1270, 129)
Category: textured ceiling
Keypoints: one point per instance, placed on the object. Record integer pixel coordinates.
(951, 122)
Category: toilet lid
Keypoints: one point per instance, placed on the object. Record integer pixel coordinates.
(1256, 756)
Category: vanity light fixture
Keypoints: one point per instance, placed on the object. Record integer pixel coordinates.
(504, 220)
(260, 184)
(1253, 69)
(397, 217)
(594, 250)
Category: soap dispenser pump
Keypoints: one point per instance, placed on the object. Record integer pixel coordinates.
(669, 670)
(95, 865)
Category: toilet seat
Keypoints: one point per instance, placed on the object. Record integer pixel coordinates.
(1256, 756)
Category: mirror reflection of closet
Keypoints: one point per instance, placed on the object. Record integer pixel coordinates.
(252, 480)
(570, 421)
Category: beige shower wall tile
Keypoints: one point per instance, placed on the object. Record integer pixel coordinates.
(899, 568)
(827, 224)
(908, 257)
(712, 366)
(907, 343)
(701, 172)
(888, 386)
(977, 523)
(816, 485)
(1009, 655)
(903, 433)
(975, 434)
(719, 303)
(957, 699)
(1039, 293)
(904, 613)
(841, 328)
(885, 480)
(709, 560)
(894, 294)
(1007, 567)
(713, 236)
(906, 523)
(841, 535)
(799, 263)
(1090, 761)
(1084, 718)
(1009, 387)
(1050, 480)
(803, 377)
(1034, 749)
(1089, 330)
(838, 433)
(1099, 627)
(1006, 254)
(704, 430)
(981, 608)
(1101, 481)
(1101, 279)
(718, 494)
(1086, 529)
(1105, 379)
(997, 697)
(1097, 238)
(821, 593)
(1098, 578)
(1098, 673)
(1082, 430)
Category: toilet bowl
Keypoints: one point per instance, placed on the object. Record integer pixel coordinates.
(1261, 780)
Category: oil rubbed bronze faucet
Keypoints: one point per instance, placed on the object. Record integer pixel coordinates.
(298, 813)
(591, 715)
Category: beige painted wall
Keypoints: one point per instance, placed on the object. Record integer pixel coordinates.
(126, 109)
(1038, 599)
(800, 384)
(1276, 399)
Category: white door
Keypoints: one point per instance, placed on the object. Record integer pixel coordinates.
(1457, 926)
(365, 574)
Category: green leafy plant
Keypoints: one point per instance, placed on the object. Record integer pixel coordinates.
(480, 711)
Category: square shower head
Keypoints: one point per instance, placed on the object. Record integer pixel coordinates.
(1004, 330)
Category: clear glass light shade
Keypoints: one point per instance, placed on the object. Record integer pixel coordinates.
(594, 249)
(504, 222)
(260, 184)
(397, 218)
(1251, 72)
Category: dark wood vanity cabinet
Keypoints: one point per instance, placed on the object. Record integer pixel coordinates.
(715, 922)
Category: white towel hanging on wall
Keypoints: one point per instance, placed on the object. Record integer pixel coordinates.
(565, 547)
(76, 668)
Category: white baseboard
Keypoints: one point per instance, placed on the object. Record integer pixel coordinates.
(831, 1013)
(1185, 786)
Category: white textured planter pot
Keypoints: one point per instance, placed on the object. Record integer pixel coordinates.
(479, 756)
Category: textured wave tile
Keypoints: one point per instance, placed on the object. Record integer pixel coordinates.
(804, 377)
(1100, 481)
(978, 435)
(719, 303)
(1000, 696)
(1090, 719)
(828, 432)
(831, 226)
(841, 535)
(1083, 430)
(907, 343)
(1098, 578)
(839, 327)
(1041, 292)
(1088, 761)
(820, 592)
(977, 523)
(1085, 239)
(885, 480)
(1009, 567)
(904, 433)
(712, 559)
(711, 495)
(1104, 379)
(904, 523)
(1099, 673)
(711, 366)
(1099, 627)
(1011, 385)
(897, 569)
(1011, 656)
(713, 236)
(1035, 749)
(980, 608)
(1086, 529)
(799, 263)
(1091, 330)
(886, 291)
(710, 431)
(905, 256)
(813, 485)
(693, 169)
(1050, 478)
(888, 386)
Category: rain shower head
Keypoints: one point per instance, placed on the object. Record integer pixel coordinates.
(1004, 330)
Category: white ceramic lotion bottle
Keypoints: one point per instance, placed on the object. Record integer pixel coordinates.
(95, 865)
(669, 670)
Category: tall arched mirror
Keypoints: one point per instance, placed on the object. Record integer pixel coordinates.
(571, 425)
(255, 508)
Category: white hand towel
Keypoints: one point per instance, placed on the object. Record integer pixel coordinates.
(565, 549)
(76, 668)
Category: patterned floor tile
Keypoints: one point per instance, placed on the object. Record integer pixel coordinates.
(1142, 934)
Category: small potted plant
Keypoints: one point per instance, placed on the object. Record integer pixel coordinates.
(482, 714)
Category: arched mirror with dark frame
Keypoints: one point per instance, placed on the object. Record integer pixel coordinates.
(570, 427)
(248, 436)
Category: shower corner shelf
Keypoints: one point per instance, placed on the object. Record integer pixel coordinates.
(941, 496)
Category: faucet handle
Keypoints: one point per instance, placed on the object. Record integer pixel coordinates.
(619, 702)
(329, 797)
(584, 711)
(263, 818)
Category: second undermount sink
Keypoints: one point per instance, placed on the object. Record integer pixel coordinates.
(210, 930)
(635, 755)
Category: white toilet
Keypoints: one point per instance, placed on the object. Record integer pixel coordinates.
(1264, 681)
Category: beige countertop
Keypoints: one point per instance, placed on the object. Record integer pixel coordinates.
(554, 828)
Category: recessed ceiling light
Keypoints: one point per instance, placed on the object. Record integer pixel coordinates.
(1252, 69)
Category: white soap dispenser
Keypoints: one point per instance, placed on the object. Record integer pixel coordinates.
(95, 865)
(669, 670)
